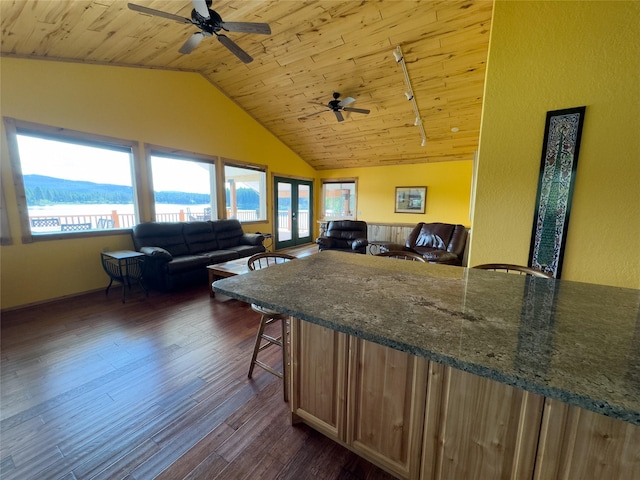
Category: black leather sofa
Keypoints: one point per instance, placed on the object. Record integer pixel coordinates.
(345, 235)
(177, 254)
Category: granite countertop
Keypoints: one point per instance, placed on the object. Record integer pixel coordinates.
(571, 341)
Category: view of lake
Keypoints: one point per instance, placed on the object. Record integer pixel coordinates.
(106, 209)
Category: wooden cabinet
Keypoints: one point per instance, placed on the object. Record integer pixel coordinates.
(318, 377)
(577, 443)
(365, 396)
(478, 428)
(385, 405)
(420, 419)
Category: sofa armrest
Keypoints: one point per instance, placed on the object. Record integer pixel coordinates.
(359, 243)
(157, 253)
(252, 239)
(324, 242)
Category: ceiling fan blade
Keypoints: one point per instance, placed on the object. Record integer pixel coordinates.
(235, 49)
(247, 27)
(158, 13)
(201, 8)
(193, 41)
(357, 110)
(339, 116)
(346, 101)
(311, 115)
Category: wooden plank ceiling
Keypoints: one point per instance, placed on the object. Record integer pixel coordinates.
(315, 48)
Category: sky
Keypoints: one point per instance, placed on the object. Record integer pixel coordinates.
(52, 158)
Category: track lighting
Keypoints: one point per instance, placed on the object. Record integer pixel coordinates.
(397, 54)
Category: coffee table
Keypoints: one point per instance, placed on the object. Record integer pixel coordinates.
(226, 269)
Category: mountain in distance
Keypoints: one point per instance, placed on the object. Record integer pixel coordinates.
(42, 190)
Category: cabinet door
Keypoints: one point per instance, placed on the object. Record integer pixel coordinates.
(386, 406)
(577, 443)
(478, 428)
(318, 377)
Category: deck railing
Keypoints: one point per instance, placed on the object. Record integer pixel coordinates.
(115, 220)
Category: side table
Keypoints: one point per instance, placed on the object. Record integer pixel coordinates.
(123, 266)
(268, 241)
(378, 246)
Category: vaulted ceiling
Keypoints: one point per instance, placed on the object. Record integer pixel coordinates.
(315, 48)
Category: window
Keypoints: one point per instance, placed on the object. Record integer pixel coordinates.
(183, 187)
(339, 199)
(70, 182)
(246, 193)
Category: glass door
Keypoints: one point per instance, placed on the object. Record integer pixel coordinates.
(293, 212)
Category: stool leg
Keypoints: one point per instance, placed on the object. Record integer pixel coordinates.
(285, 381)
(256, 348)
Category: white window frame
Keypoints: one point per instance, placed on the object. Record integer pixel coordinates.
(15, 127)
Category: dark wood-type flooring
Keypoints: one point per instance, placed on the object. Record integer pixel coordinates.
(153, 388)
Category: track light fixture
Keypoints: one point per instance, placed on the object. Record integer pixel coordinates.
(399, 57)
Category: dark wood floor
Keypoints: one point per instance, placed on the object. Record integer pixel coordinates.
(154, 388)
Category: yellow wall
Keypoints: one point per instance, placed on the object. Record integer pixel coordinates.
(171, 109)
(547, 56)
(543, 56)
(448, 191)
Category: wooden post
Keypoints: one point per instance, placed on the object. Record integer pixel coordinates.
(115, 218)
(233, 198)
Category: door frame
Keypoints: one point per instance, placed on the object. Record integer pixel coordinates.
(295, 240)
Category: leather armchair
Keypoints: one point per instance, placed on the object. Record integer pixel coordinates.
(438, 242)
(345, 235)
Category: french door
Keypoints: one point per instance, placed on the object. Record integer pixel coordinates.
(293, 205)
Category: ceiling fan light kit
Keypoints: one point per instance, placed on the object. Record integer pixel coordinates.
(399, 57)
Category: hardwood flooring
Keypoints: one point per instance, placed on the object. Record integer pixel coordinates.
(153, 388)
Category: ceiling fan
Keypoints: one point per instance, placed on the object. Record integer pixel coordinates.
(209, 23)
(338, 106)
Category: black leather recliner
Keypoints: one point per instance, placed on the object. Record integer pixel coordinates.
(438, 242)
(345, 236)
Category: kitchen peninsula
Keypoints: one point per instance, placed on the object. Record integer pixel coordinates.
(441, 372)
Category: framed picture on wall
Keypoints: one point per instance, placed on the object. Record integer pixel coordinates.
(411, 199)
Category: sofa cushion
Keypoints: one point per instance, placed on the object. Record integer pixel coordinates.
(199, 237)
(219, 256)
(186, 262)
(166, 235)
(228, 233)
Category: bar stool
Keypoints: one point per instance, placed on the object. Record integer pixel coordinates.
(403, 255)
(268, 317)
(510, 268)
